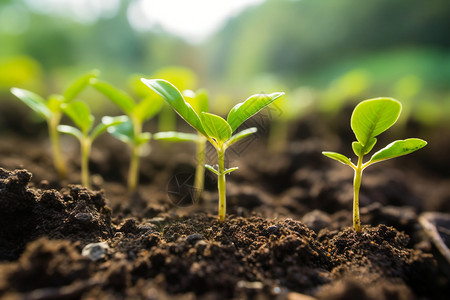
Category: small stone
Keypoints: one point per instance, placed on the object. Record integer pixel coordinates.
(84, 218)
(191, 239)
(95, 251)
(272, 229)
(255, 285)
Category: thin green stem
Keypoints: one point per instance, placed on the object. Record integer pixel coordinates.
(85, 153)
(356, 187)
(58, 160)
(221, 185)
(133, 172)
(200, 170)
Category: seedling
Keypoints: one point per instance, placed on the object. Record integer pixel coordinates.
(369, 119)
(199, 102)
(217, 131)
(130, 132)
(79, 113)
(51, 111)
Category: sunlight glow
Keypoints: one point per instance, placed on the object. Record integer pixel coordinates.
(194, 19)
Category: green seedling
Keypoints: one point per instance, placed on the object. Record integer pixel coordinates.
(218, 131)
(79, 113)
(51, 111)
(130, 132)
(199, 102)
(369, 119)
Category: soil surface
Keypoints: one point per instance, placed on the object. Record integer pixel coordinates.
(287, 234)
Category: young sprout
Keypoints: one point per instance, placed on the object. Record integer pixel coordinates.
(51, 111)
(369, 119)
(217, 131)
(199, 102)
(130, 132)
(79, 113)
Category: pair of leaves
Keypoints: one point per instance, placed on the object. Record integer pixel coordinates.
(46, 108)
(369, 119)
(80, 114)
(142, 111)
(211, 125)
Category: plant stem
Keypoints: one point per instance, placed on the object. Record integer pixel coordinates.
(133, 172)
(221, 185)
(85, 153)
(356, 187)
(58, 160)
(200, 170)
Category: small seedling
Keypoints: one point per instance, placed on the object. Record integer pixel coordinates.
(79, 113)
(51, 111)
(199, 102)
(130, 132)
(369, 119)
(217, 131)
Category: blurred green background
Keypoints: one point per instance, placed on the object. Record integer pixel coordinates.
(323, 53)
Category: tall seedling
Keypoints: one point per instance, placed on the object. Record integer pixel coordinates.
(51, 111)
(369, 119)
(199, 102)
(130, 132)
(217, 131)
(79, 113)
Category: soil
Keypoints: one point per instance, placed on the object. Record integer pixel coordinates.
(287, 234)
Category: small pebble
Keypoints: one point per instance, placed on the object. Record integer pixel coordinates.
(84, 218)
(95, 251)
(194, 238)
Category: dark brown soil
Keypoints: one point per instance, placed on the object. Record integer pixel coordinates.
(287, 234)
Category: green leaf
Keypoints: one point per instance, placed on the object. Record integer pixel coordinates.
(79, 113)
(120, 98)
(242, 111)
(34, 101)
(54, 103)
(142, 138)
(360, 150)
(105, 123)
(123, 132)
(173, 136)
(339, 157)
(216, 127)
(211, 168)
(76, 87)
(397, 148)
(70, 130)
(240, 135)
(198, 100)
(148, 107)
(372, 117)
(175, 99)
(230, 170)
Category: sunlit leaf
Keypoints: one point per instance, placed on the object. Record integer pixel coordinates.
(76, 87)
(175, 99)
(216, 127)
(34, 101)
(360, 150)
(397, 148)
(79, 113)
(148, 107)
(174, 136)
(105, 123)
(120, 98)
(240, 135)
(242, 111)
(211, 168)
(71, 130)
(339, 157)
(372, 117)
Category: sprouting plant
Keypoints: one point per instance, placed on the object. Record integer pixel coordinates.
(130, 132)
(79, 113)
(51, 111)
(217, 131)
(369, 119)
(199, 102)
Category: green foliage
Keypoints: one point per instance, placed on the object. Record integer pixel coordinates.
(369, 119)
(130, 132)
(51, 111)
(80, 114)
(218, 131)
